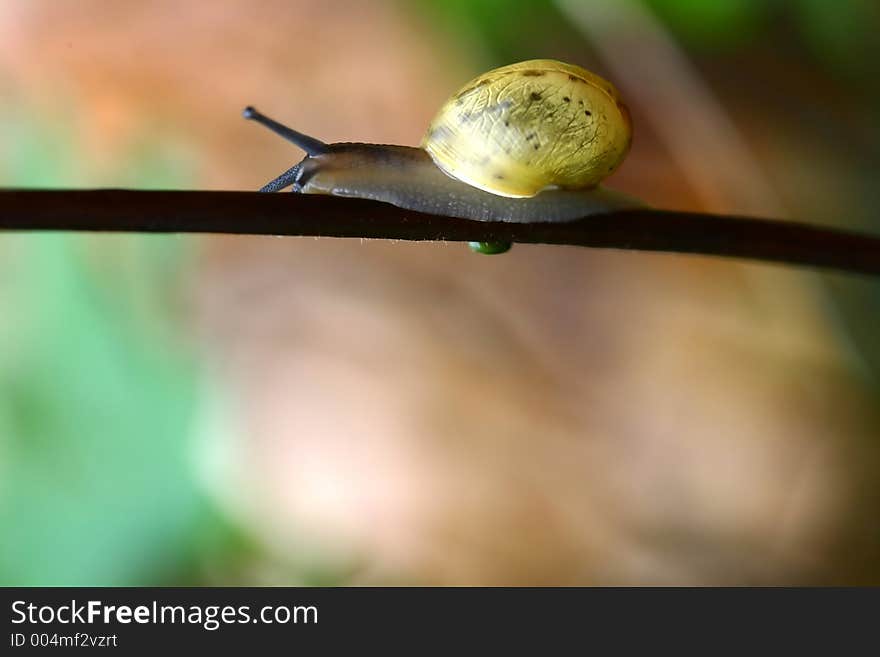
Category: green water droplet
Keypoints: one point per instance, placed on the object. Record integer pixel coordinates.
(489, 248)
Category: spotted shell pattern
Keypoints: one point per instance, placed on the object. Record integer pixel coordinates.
(539, 124)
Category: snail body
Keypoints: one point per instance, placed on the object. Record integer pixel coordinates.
(407, 177)
(529, 142)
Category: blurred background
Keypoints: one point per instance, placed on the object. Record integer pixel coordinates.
(249, 410)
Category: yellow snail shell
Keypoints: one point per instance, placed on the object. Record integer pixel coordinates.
(530, 126)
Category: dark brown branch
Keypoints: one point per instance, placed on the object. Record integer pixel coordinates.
(300, 214)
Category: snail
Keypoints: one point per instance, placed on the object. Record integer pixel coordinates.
(528, 142)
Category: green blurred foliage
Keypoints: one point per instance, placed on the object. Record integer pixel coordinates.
(839, 35)
(97, 476)
(504, 30)
(714, 25)
(843, 35)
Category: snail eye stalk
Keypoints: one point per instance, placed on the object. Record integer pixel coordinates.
(310, 145)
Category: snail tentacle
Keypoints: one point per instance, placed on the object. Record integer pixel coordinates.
(286, 179)
(309, 144)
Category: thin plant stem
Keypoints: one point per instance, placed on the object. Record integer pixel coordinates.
(251, 213)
